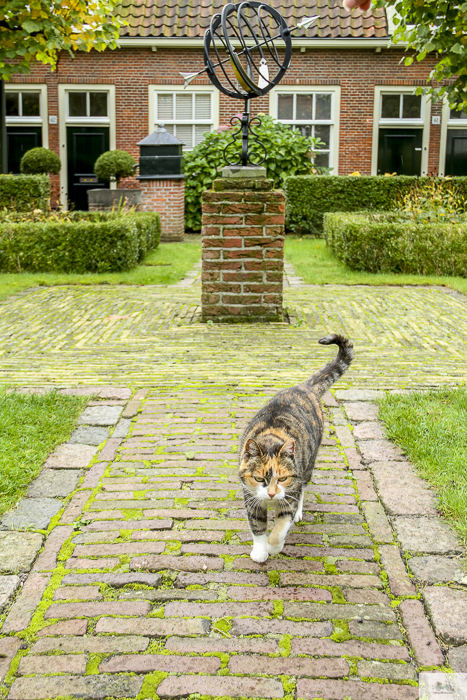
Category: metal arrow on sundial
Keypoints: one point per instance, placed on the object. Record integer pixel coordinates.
(305, 23)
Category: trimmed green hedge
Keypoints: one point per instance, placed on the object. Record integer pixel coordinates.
(24, 192)
(78, 242)
(308, 198)
(384, 242)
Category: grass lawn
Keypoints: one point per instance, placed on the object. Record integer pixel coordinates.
(31, 425)
(168, 264)
(432, 429)
(317, 265)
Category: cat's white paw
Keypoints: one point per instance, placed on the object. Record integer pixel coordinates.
(298, 516)
(259, 554)
(275, 548)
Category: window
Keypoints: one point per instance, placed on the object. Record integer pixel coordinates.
(88, 104)
(400, 106)
(312, 114)
(23, 104)
(457, 115)
(186, 115)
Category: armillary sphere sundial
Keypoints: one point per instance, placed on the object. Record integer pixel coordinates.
(258, 45)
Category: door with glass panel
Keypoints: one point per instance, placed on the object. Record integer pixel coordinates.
(400, 135)
(186, 115)
(23, 107)
(456, 143)
(312, 113)
(87, 138)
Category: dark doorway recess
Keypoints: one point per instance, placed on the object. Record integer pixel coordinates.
(84, 146)
(21, 139)
(456, 152)
(400, 151)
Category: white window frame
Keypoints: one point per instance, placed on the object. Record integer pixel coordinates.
(65, 120)
(42, 120)
(154, 90)
(423, 123)
(87, 119)
(447, 123)
(335, 92)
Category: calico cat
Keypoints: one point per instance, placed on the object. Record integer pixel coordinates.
(278, 450)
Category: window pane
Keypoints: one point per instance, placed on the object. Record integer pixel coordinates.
(183, 106)
(390, 107)
(77, 104)
(98, 104)
(184, 133)
(411, 106)
(203, 106)
(285, 107)
(31, 104)
(201, 129)
(323, 107)
(12, 104)
(324, 133)
(170, 128)
(455, 114)
(304, 129)
(321, 160)
(165, 107)
(304, 107)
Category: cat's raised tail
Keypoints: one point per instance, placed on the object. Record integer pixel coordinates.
(322, 380)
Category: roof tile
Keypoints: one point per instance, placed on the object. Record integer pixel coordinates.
(190, 18)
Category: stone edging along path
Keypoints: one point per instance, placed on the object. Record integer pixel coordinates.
(144, 585)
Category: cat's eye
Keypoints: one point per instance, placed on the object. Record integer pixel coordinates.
(259, 479)
(283, 478)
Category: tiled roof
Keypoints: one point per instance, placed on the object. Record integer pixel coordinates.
(190, 18)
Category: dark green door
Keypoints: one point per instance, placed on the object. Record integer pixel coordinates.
(84, 146)
(19, 140)
(400, 151)
(456, 152)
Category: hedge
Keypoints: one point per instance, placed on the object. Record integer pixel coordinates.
(384, 242)
(308, 198)
(80, 242)
(24, 192)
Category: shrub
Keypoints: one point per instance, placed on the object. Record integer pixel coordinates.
(24, 192)
(40, 161)
(386, 242)
(288, 153)
(113, 165)
(77, 242)
(309, 198)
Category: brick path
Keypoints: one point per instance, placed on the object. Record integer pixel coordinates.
(145, 585)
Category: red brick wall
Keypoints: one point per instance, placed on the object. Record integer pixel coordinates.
(357, 71)
(168, 198)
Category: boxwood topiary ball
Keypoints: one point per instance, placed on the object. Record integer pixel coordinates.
(39, 161)
(113, 165)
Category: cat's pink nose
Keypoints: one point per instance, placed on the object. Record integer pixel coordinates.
(271, 495)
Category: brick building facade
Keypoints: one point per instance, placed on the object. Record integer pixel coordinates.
(344, 84)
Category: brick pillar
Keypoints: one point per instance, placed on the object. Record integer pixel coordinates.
(166, 196)
(243, 248)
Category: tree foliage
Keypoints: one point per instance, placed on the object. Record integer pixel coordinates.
(39, 29)
(438, 26)
(288, 153)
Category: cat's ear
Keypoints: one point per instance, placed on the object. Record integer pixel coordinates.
(252, 448)
(288, 448)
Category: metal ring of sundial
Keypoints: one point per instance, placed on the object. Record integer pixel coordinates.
(247, 25)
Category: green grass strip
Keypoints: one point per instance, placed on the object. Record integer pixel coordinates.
(432, 429)
(31, 426)
(317, 265)
(168, 264)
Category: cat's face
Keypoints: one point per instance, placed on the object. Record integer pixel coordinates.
(269, 477)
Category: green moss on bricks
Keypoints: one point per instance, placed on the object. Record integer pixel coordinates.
(157, 613)
(132, 513)
(278, 608)
(93, 662)
(341, 631)
(222, 625)
(37, 621)
(274, 578)
(150, 684)
(285, 646)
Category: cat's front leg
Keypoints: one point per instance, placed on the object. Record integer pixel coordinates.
(277, 537)
(299, 514)
(258, 520)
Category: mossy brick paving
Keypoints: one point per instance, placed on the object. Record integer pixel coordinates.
(405, 337)
(322, 619)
